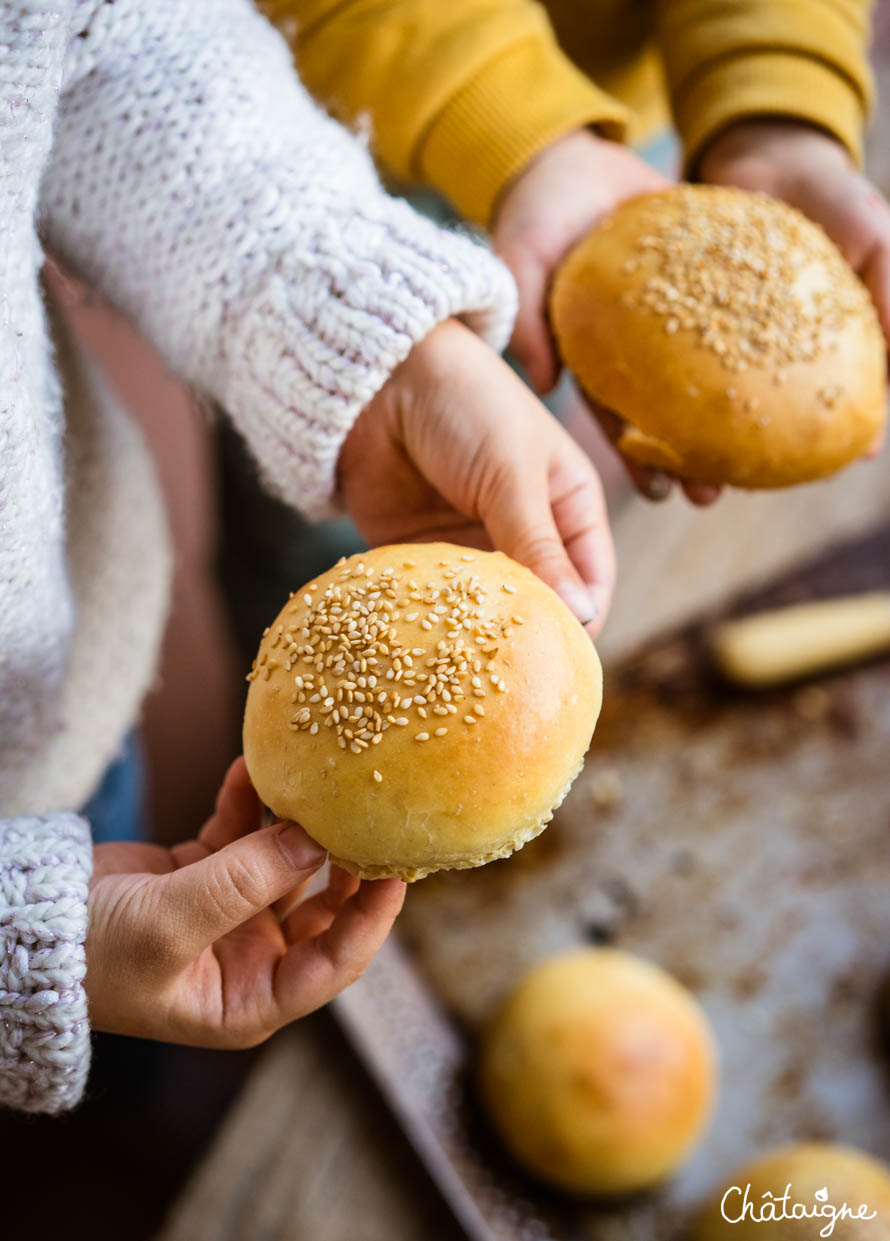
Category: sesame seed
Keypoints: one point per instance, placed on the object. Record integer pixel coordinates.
(421, 736)
(350, 669)
(511, 590)
(738, 261)
(469, 719)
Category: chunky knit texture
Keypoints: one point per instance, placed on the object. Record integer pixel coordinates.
(167, 152)
(44, 1033)
(35, 603)
(201, 188)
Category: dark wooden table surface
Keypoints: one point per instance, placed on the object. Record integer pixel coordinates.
(310, 1153)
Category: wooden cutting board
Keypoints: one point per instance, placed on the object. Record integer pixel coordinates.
(678, 563)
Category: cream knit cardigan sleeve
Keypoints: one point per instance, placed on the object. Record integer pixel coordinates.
(196, 184)
(185, 174)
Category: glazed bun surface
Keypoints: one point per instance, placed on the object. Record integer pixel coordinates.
(599, 1073)
(729, 333)
(421, 707)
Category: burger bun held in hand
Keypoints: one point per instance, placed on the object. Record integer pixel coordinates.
(728, 333)
(421, 707)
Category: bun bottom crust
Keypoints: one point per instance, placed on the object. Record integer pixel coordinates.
(462, 861)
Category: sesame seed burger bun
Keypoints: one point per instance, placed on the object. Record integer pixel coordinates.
(728, 332)
(365, 667)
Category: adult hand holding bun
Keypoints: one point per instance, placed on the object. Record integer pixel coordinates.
(455, 447)
(728, 333)
(421, 707)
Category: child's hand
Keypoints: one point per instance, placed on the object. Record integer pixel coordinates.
(184, 944)
(813, 172)
(551, 205)
(456, 447)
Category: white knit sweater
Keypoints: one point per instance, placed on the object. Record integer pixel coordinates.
(166, 151)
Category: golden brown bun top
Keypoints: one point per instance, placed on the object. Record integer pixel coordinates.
(419, 707)
(850, 1176)
(728, 330)
(599, 1072)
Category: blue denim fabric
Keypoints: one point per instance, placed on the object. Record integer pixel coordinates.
(662, 151)
(116, 811)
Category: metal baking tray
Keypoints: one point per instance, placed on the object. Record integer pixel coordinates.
(743, 844)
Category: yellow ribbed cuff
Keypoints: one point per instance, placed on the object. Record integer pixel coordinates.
(779, 84)
(521, 101)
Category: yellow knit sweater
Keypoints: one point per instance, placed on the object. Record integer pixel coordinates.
(461, 94)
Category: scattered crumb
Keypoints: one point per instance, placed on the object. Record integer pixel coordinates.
(812, 703)
(606, 788)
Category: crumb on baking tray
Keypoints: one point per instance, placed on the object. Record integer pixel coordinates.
(606, 788)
